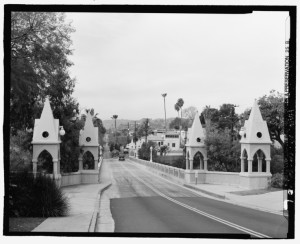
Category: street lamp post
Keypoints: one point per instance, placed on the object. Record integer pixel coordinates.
(164, 96)
(151, 148)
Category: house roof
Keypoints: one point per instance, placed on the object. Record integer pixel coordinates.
(155, 138)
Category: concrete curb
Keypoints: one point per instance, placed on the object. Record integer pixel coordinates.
(93, 222)
(206, 192)
(105, 221)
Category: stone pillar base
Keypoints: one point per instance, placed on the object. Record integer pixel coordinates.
(255, 180)
(89, 176)
(190, 176)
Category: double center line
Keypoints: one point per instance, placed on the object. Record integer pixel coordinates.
(238, 227)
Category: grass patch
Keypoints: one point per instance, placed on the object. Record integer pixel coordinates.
(24, 224)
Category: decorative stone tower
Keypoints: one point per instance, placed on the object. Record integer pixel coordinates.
(255, 140)
(195, 144)
(46, 136)
(88, 141)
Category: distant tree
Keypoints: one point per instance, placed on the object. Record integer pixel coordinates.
(272, 110)
(227, 116)
(145, 129)
(144, 151)
(222, 154)
(175, 124)
(177, 108)
(101, 129)
(180, 103)
(189, 113)
(164, 149)
(209, 115)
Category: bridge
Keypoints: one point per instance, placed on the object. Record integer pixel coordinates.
(142, 199)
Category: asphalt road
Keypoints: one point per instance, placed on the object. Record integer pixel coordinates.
(143, 202)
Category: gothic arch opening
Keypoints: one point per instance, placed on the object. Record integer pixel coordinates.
(259, 162)
(245, 156)
(198, 162)
(88, 160)
(45, 163)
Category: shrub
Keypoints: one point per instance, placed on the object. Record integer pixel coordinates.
(115, 153)
(179, 163)
(39, 197)
(175, 161)
(277, 160)
(144, 151)
(19, 150)
(277, 180)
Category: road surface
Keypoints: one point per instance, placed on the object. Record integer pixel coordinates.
(143, 202)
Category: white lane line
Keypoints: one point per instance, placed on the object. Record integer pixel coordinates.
(238, 227)
(208, 196)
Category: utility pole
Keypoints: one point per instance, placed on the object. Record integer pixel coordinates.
(164, 96)
(135, 134)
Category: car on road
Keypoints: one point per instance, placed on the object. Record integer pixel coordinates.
(121, 157)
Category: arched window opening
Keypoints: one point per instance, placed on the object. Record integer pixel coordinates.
(245, 156)
(259, 162)
(45, 163)
(198, 162)
(88, 160)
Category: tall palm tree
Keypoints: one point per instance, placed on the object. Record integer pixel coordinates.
(115, 118)
(177, 108)
(180, 103)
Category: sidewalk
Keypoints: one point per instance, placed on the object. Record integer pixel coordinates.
(269, 201)
(84, 205)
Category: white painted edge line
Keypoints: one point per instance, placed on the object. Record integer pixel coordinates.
(227, 200)
(238, 227)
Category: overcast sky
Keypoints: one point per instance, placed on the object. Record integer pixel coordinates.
(124, 62)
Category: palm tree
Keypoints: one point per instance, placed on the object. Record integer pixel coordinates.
(164, 96)
(115, 118)
(180, 103)
(177, 108)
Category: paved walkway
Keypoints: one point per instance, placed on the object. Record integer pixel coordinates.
(84, 204)
(270, 201)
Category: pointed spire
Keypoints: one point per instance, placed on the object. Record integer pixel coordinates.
(89, 121)
(89, 136)
(256, 129)
(47, 111)
(255, 114)
(46, 128)
(196, 133)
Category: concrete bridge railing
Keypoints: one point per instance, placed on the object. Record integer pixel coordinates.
(254, 180)
(167, 171)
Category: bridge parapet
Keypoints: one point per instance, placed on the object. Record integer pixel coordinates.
(201, 176)
(166, 171)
